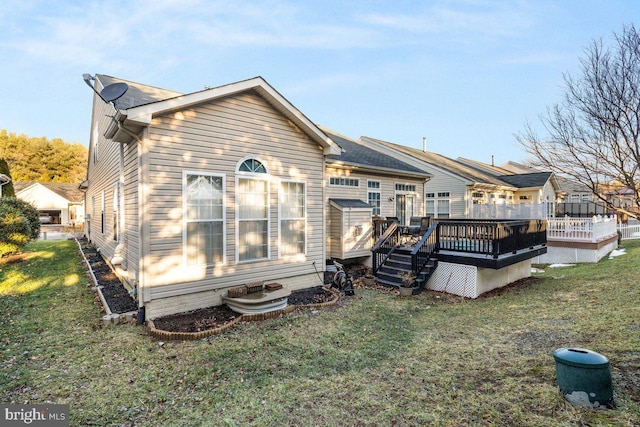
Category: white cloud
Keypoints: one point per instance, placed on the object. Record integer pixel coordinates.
(461, 18)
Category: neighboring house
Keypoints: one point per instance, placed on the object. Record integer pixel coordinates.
(574, 235)
(457, 187)
(58, 203)
(536, 195)
(200, 192)
(364, 183)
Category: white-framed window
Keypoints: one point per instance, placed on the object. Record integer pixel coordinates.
(293, 218)
(204, 218)
(252, 210)
(339, 181)
(410, 188)
(374, 196)
(524, 198)
(438, 205)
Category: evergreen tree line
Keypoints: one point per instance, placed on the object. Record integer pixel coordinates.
(41, 159)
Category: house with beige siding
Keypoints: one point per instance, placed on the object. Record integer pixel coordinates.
(191, 194)
(463, 188)
(58, 203)
(363, 183)
(453, 186)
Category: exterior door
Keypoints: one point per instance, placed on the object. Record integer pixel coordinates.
(405, 204)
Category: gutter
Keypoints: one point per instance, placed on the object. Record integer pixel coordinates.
(378, 170)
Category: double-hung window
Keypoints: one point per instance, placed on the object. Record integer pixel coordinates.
(437, 205)
(252, 201)
(293, 236)
(373, 196)
(203, 198)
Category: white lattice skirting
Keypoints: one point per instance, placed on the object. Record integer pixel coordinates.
(470, 281)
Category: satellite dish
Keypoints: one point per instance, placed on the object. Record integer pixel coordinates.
(114, 91)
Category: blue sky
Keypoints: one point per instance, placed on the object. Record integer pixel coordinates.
(465, 74)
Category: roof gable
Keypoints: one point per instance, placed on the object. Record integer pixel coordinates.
(67, 191)
(448, 165)
(148, 102)
(138, 94)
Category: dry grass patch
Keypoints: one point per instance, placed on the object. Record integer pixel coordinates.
(379, 360)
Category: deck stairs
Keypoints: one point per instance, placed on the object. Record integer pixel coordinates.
(399, 261)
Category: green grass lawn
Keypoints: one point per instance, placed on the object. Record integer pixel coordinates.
(377, 360)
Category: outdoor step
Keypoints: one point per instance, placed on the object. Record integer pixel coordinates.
(398, 264)
(400, 255)
(388, 277)
(382, 281)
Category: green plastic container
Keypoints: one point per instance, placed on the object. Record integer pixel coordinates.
(584, 377)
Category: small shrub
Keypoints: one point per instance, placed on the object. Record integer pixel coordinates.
(19, 224)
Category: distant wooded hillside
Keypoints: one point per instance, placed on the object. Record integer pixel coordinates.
(40, 159)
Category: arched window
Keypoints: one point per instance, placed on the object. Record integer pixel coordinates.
(252, 201)
(252, 166)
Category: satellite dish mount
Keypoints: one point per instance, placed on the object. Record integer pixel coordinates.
(110, 93)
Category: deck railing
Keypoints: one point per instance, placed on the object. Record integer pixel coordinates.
(424, 249)
(385, 245)
(492, 238)
(379, 227)
(591, 230)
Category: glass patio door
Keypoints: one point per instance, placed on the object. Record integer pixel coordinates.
(405, 204)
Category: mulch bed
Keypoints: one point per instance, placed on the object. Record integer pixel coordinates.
(115, 294)
(218, 316)
(197, 320)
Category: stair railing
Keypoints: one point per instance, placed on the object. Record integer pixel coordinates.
(385, 246)
(424, 249)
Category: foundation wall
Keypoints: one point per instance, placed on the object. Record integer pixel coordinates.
(470, 281)
(178, 304)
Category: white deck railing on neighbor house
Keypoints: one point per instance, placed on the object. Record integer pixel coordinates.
(593, 229)
(512, 211)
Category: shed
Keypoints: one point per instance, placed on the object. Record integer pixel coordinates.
(351, 229)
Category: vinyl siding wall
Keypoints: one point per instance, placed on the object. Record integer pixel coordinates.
(214, 138)
(103, 175)
(457, 188)
(131, 223)
(387, 189)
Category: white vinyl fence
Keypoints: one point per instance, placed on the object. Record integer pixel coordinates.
(593, 229)
(629, 231)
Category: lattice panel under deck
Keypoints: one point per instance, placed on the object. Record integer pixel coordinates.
(455, 279)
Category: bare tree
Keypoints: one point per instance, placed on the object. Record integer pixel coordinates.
(593, 135)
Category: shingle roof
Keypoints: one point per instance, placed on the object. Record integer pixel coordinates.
(66, 190)
(527, 180)
(350, 203)
(355, 153)
(443, 162)
(138, 94)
